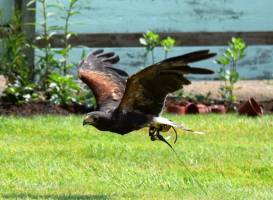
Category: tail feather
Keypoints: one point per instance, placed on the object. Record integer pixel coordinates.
(164, 121)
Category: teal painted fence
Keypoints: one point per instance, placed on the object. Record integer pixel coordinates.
(180, 16)
(112, 16)
(6, 7)
(174, 15)
(258, 64)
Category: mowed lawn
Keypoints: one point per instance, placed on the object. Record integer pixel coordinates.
(54, 157)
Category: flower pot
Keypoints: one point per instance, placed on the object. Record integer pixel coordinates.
(176, 109)
(192, 108)
(218, 109)
(202, 108)
(250, 108)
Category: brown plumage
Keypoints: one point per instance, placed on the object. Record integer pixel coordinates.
(126, 104)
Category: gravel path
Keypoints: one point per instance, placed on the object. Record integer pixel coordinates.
(262, 90)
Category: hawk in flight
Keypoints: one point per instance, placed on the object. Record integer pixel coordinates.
(127, 103)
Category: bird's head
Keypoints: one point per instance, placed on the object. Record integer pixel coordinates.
(94, 118)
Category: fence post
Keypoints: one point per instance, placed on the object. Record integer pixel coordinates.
(28, 26)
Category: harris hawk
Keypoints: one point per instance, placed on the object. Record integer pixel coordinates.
(127, 103)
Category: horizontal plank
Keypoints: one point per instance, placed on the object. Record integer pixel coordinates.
(182, 39)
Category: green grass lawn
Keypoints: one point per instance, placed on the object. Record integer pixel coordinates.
(54, 157)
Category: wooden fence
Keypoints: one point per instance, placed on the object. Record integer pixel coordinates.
(182, 38)
(132, 39)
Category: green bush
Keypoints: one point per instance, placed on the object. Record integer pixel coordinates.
(167, 44)
(13, 59)
(25, 82)
(228, 70)
(151, 40)
(62, 89)
(19, 92)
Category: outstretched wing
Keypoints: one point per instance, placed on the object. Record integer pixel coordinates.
(147, 89)
(106, 82)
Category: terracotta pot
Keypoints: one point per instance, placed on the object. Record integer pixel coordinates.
(202, 108)
(250, 108)
(176, 109)
(192, 108)
(218, 109)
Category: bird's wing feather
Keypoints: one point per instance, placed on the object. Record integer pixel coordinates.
(146, 90)
(106, 82)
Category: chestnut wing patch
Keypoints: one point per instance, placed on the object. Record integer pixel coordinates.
(106, 82)
(105, 86)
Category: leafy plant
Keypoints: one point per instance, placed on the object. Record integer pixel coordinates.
(62, 89)
(167, 44)
(51, 70)
(66, 12)
(228, 70)
(150, 40)
(20, 92)
(51, 59)
(46, 62)
(13, 58)
(14, 64)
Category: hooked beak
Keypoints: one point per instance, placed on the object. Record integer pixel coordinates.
(87, 120)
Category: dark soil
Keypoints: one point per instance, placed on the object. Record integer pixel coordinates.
(261, 90)
(37, 108)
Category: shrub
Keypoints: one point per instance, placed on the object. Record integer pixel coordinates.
(13, 58)
(228, 70)
(167, 44)
(62, 89)
(151, 40)
(19, 92)
(26, 83)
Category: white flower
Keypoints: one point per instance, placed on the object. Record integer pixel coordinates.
(27, 97)
(52, 85)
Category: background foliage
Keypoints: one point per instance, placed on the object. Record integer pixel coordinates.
(51, 76)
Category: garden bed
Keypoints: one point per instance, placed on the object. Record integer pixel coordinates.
(261, 90)
(37, 108)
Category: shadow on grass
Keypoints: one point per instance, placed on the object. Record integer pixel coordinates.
(52, 196)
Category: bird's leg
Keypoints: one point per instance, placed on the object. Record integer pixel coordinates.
(152, 131)
(154, 134)
(161, 138)
(175, 139)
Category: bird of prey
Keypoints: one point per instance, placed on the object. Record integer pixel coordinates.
(127, 103)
